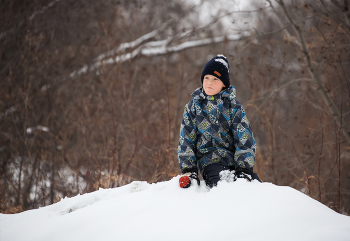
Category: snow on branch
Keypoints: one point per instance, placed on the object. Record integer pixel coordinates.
(124, 46)
(187, 45)
(155, 48)
(43, 9)
(7, 112)
(31, 130)
(149, 49)
(31, 17)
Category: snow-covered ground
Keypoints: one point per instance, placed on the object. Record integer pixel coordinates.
(162, 211)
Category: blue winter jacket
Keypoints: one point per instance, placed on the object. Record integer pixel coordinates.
(215, 129)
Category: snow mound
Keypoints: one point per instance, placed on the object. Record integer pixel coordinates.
(162, 211)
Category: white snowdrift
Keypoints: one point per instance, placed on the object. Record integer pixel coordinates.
(163, 211)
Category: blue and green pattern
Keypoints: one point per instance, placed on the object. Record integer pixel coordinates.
(215, 129)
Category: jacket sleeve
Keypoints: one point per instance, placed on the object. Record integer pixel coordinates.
(187, 140)
(244, 141)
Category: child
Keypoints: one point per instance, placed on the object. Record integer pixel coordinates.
(215, 134)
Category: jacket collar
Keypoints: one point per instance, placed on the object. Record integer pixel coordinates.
(229, 93)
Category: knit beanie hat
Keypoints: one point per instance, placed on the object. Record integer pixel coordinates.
(219, 67)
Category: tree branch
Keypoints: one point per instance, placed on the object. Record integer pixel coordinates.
(328, 101)
(155, 48)
(286, 32)
(132, 44)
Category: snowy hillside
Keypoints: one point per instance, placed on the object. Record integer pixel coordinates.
(162, 211)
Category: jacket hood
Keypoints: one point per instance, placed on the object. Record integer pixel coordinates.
(229, 93)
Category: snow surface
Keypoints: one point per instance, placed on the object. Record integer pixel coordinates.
(162, 211)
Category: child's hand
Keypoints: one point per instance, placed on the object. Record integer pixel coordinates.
(186, 180)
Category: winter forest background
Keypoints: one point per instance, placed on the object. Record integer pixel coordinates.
(92, 92)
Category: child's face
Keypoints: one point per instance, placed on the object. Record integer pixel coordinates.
(212, 85)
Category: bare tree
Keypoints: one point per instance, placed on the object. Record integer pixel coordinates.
(92, 94)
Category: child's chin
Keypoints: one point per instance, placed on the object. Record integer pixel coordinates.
(210, 92)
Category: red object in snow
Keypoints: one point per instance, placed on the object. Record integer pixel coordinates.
(184, 182)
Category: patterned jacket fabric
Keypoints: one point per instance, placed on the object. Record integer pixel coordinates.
(215, 129)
